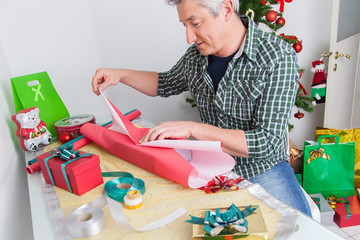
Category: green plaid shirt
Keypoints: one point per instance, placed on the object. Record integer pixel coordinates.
(256, 94)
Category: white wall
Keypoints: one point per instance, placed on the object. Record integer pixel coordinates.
(14, 200)
(310, 22)
(144, 35)
(40, 35)
(71, 39)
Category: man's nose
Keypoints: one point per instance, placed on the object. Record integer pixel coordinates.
(190, 36)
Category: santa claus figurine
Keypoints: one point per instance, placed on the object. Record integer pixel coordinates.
(318, 87)
(31, 130)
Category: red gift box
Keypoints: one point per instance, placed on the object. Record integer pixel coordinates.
(83, 174)
(341, 214)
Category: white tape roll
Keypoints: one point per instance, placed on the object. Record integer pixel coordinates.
(85, 222)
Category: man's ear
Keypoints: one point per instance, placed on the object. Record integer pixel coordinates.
(228, 9)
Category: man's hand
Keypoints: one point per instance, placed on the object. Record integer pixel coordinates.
(172, 129)
(143, 81)
(105, 77)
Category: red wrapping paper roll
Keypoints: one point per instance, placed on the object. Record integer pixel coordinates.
(161, 161)
(193, 163)
(83, 141)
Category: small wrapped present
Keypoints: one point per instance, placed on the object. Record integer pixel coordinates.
(347, 212)
(75, 171)
(231, 223)
(326, 211)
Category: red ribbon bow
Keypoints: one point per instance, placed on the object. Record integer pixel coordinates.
(220, 182)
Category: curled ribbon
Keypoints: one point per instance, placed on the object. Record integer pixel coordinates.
(314, 154)
(38, 93)
(232, 220)
(220, 182)
(69, 155)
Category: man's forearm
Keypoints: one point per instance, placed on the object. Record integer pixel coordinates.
(233, 140)
(143, 81)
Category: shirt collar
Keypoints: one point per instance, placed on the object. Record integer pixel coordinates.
(248, 46)
(241, 49)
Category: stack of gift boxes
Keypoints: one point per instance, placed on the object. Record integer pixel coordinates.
(334, 160)
(345, 212)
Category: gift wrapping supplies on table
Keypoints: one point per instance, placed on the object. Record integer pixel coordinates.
(156, 205)
(162, 197)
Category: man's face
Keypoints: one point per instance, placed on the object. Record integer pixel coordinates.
(202, 27)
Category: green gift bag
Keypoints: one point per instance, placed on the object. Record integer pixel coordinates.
(37, 90)
(329, 167)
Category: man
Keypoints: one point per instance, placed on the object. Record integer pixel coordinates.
(244, 83)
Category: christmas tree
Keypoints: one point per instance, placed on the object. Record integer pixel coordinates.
(263, 11)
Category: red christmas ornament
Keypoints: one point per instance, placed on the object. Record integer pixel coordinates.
(280, 21)
(65, 137)
(299, 115)
(300, 74)
(297, 47)
(271, 16)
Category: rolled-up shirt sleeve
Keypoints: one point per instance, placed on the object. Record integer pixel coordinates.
(173, 82)
(273, 112)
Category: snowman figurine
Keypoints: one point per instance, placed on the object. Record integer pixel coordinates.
(31, 130)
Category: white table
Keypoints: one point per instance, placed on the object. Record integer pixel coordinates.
(43, 227)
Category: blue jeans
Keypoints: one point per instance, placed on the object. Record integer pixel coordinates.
(280, 181)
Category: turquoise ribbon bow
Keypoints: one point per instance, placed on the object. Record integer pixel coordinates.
(215, 222)
(69, 155)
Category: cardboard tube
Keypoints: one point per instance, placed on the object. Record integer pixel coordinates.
(33, 168)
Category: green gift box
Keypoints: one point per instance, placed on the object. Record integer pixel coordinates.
(37, 90)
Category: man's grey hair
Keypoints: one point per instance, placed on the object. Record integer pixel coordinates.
(213, 5)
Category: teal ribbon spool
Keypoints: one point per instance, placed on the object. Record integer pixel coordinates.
(65, 153)
(127, 180)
